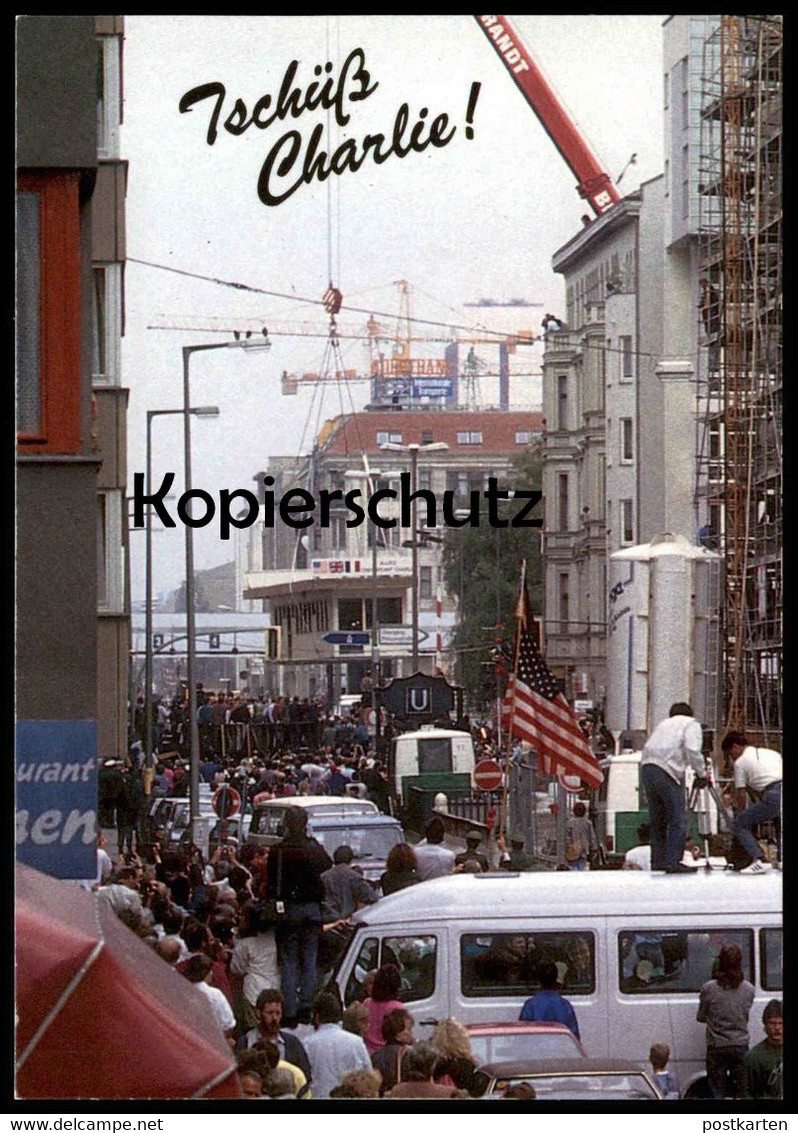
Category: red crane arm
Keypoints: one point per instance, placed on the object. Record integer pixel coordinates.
(593, 183)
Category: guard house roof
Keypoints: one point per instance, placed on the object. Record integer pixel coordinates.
(618, 893)
(357, 433)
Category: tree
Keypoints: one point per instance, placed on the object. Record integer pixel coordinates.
(482, 566)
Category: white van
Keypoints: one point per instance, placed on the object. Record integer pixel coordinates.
(438, 759)
(632, 950)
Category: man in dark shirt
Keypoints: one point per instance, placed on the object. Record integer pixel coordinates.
(344, 888)
(763, 1063)
(471, 853)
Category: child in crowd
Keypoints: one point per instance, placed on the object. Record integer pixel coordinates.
(666, 1080)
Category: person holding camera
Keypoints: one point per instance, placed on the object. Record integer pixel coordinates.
(673, 746)
(757, 776)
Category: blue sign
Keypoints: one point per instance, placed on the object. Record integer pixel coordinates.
(432, 387)
(56, 796)
(344, 637)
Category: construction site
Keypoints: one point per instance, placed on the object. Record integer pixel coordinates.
(739, 475)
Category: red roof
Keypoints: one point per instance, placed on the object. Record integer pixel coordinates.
(357, 433)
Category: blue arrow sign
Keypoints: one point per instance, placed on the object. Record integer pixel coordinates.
(352, 637)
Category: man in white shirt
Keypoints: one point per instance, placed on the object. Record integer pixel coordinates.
(757, 774)
(434, 860)
(639, 857)
(673, 746)
(198, 971)
(332, 1051)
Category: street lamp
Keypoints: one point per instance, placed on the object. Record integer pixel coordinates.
(199, 411)
(191, 633)
(414, 450)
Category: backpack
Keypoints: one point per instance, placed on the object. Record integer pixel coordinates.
(573, 851)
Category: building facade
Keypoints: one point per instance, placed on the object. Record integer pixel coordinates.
(329, 578)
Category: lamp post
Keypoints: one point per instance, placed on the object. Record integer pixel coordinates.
(191, 633)
(414, 450)
(199, 411)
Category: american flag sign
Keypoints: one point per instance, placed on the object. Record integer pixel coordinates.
(536, 710)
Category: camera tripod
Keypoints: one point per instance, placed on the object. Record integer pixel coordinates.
(698, 804)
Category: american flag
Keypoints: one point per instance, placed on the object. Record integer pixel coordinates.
(538, 712)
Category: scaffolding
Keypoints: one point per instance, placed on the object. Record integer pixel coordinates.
(739, 474)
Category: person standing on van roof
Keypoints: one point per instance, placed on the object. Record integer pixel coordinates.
(757, 773)
(547, 1005)
(433, 858)
(673, 746)
(639, 857)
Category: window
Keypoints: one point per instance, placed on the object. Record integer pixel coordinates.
(434, 755)
(685, 69)
(457, 482)
(685, 181)
(48, 315)
(415, 956)
(627, 451)
(389, 612)
(627, 528)
(523, 438)
(106, 324)
(425, 479)
(667, 178)
(425, 582)
(426, 436)
(509, 963)
(562, 502)
(565, 613)
(28, 303)
(562, 401)
(109, 100)
(389, 438)
(337, 533)
(350, 613)
(625, 350)
(469, 438)
(662, 961)
(770, 959)
(110, 558)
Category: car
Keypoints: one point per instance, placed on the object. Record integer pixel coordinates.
(571, 1079)
(265, 828)
(370, 836)
(510, 1042)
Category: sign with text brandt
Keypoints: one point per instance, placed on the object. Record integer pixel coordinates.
(56, 797)
(347, 637)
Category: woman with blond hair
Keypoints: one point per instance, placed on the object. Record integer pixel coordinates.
(456, 1064)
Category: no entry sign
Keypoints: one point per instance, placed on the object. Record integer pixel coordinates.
(487, 775)
(226, 802)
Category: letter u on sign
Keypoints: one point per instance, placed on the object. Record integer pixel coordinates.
(418, 700)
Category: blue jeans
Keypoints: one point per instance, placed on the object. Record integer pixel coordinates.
(297, 947)
(769, 806)
(579, 864)
(666, 812)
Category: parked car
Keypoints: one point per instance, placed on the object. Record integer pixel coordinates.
(516, 1042)
(266, 826)
(574, 1079)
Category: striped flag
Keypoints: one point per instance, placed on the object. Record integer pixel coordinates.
(538, 712)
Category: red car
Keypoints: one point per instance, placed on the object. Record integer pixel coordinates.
(516, 1042)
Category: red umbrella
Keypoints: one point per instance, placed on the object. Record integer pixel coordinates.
(99, 1014)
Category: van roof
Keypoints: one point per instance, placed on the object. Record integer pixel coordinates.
(605, 893)
(433, 733)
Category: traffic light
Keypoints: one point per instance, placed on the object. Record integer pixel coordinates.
(273, 643)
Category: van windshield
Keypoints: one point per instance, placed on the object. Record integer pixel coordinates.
(366, 842)
(434, 755)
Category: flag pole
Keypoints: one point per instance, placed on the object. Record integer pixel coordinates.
(520, 616)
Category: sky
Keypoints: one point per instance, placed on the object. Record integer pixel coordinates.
(478, 216)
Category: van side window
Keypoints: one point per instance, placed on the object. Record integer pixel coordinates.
(664, 961)
(507, 963)
(770, 958)
(415, 956)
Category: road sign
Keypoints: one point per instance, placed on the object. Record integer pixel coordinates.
(487, 775)
(226, 802)
(344, 637)
(570, 783)
(396, 635)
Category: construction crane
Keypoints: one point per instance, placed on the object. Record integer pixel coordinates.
(593, 183)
